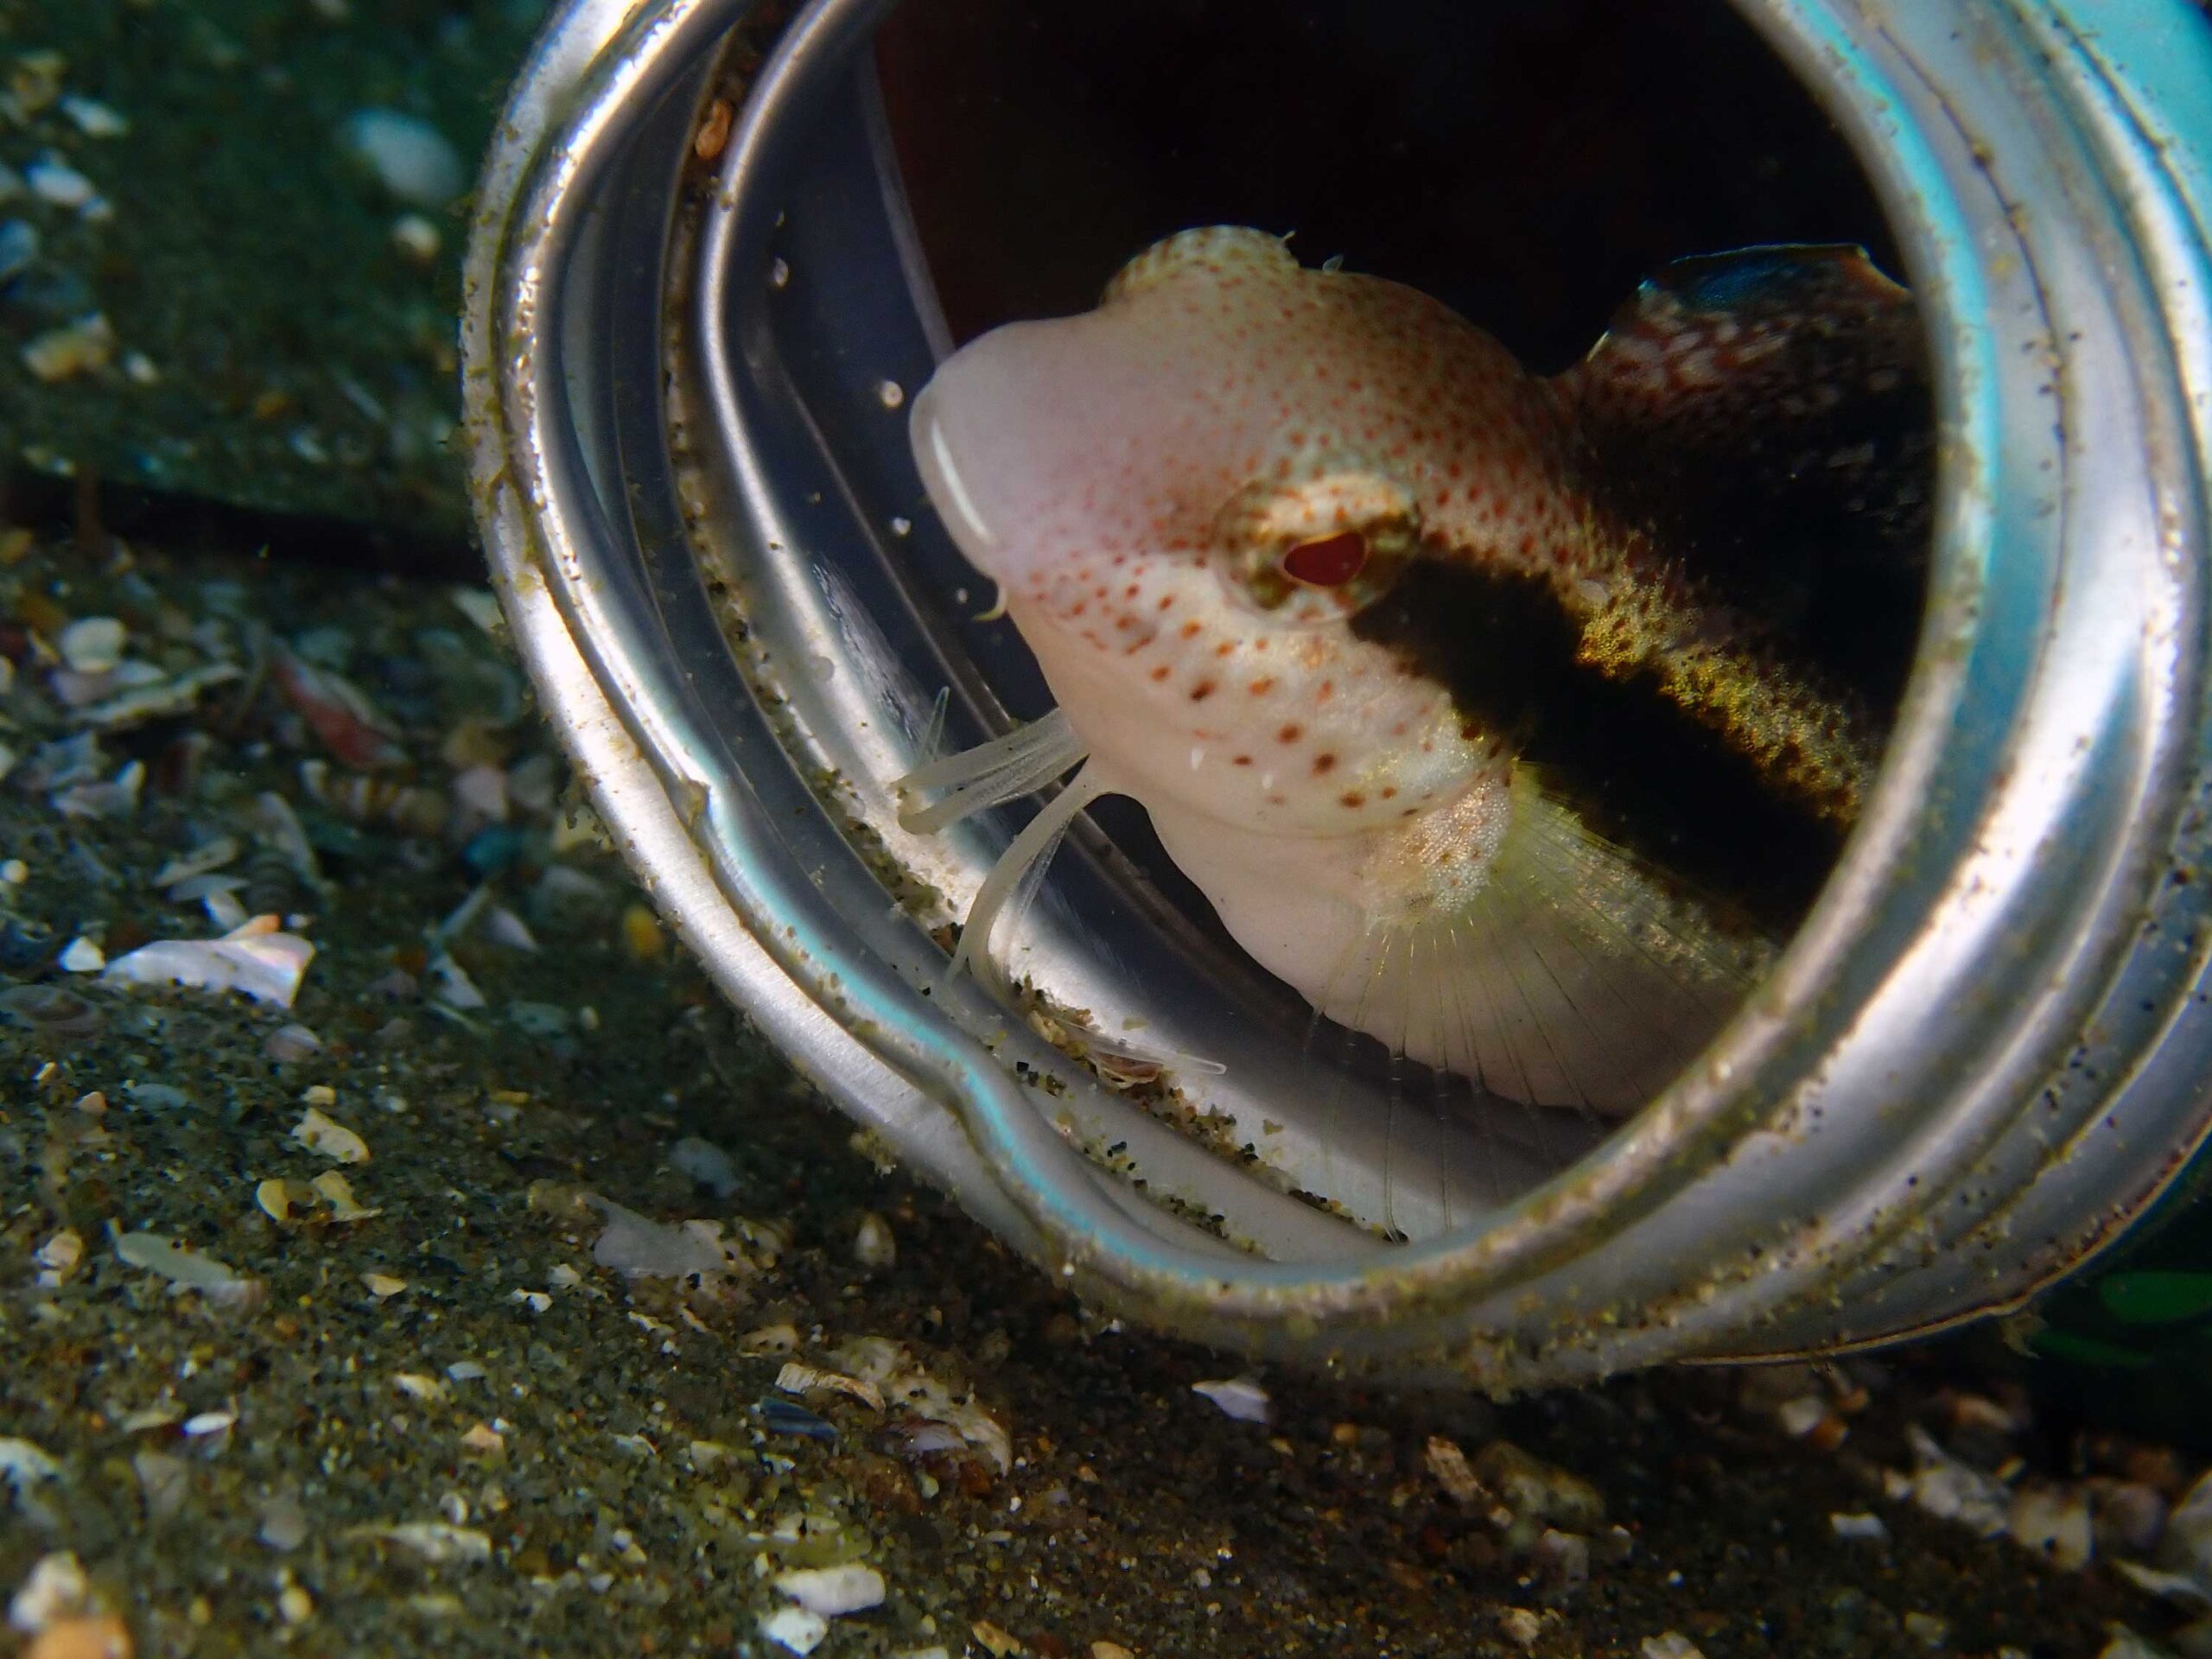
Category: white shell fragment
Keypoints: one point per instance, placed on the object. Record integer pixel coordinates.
(210, 855)
(156, 698)
(58, 1256)
(1953, 1490)
(411, 158)
(81, 957)
(1870, 1528)
(1239, 1397)
(2053, 1520)
(795, 1628)
(802, 1379)
(290, 1043)
(186, 1269)
(258, 960)
(831, 1591)
(332, 1139)
(638, 1247)
(337, 1192)
(92, 645)
(436, 1542)
(54, 182)
(55, 1588)
(95, 119)
(2126, 1644)
(22, 1465)
(68, 350)
(451, 985)
(1448, 1463)
(873, 1246)
(706, 1164)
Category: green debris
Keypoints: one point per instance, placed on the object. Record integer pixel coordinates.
(2082, 1350)
(2157, 1298)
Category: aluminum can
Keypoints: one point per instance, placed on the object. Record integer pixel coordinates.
(1985, 1054)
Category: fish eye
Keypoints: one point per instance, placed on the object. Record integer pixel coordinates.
(1327, 561)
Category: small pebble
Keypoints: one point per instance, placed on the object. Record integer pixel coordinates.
(873, 1247)
(641, 934)
(95, 119)
(2052, 1521)
(436, 1542)
(81, 957)
(330, 1138)
(705, 1163)
(795, 1628)
(1239, 1397)
(291, 1043)
(1563, 1556)
(283, 1524)
(417, 237)
(1670, 1644)
(1522, 1624)
(54, 181)
(85, 347)
(1864, 1526)
(407, 156)
(55, 1587)
(833, 1591)
(1927, 1629)
(19, 243)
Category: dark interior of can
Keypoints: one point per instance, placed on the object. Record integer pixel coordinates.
(1528, 163)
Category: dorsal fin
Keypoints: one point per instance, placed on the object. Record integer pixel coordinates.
(1715, 351)
(1766, 414)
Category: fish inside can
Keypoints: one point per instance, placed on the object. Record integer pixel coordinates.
(1494, 579)
(1728, 689)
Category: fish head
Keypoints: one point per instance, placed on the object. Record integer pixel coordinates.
(1189, 495)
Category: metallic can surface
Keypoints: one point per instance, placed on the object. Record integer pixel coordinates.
(1981, 1056)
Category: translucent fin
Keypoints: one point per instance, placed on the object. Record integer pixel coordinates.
(1011, 887)
(930, 746)
(1575, 977)
(1021, 763)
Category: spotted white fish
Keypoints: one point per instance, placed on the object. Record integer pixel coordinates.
(1320, 574)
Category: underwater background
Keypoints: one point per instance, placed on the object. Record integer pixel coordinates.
(455, 1269)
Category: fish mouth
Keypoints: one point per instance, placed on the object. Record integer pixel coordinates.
(936, 454)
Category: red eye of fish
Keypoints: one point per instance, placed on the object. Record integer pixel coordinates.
(1327, 561)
